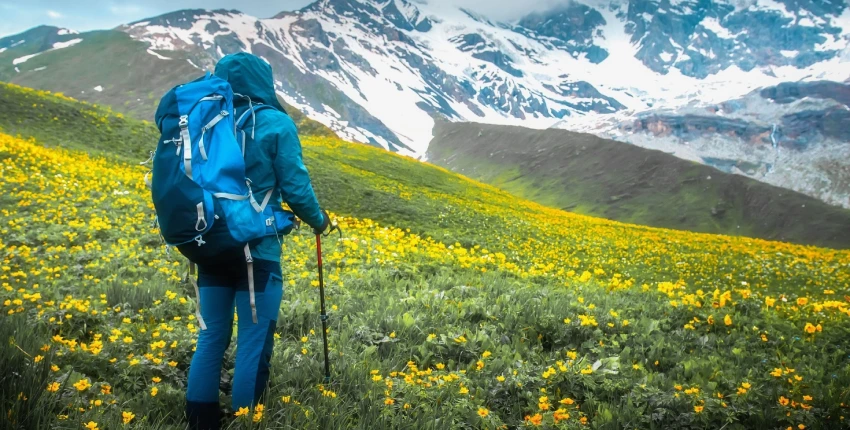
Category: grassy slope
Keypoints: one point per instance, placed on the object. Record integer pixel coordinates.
(394, 289)
(67, 123)
(599, 177)
(366, 182)
(133, 80)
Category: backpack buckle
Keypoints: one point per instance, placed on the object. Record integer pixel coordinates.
(184, 121)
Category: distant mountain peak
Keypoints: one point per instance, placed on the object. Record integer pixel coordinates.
(37, 39)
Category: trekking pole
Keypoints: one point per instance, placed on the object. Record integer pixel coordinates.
(324, 315)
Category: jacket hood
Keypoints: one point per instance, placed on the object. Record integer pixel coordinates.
(250, 76)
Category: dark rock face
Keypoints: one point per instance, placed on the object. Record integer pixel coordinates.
(379, 16)
(500, 60)
(228, 44)
(802, 128)
(664, 28)
(485, 50)
(676, 34)
(797, 130)
(569, 27)
(341, 48)
(790, 92)
(698, 37)
(688, 127)
(470, 42)
(581, 89)
(312, 29)
(768, 33)
(411, 22)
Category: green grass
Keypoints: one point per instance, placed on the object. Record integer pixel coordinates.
(495, 285)
(73, 125)
(588, 175)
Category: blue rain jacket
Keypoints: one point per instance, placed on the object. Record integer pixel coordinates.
(273, 157)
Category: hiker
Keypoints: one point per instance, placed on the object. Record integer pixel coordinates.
(273, 162)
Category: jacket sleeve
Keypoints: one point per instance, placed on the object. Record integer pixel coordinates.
(293, 180)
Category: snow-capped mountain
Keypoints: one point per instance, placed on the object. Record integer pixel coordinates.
(38, 40)
(794, 135)
(379, 70)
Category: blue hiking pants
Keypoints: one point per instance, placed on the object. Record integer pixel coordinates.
(223, 288)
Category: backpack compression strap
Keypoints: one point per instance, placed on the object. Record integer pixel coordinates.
(241, 124)
(187, 145)
(197, 296)
(259, 207)
(251, 297)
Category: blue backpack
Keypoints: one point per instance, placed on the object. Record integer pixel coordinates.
(203, 199)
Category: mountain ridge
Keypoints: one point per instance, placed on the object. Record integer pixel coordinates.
(589, 175)
(380, 71)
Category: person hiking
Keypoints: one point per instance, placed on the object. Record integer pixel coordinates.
(273, 162)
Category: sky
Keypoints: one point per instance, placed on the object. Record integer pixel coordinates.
(83, 15)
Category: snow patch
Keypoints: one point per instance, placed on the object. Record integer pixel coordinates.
(161, 57)
(2, 50)
(39, 69)
(773, 5)
(65, 31)
(57, 45)
(98, 88)
(841, 41)
(193, 64)
(805, 22)
(237, 25)
(713, 25)
(21, 60)
(60, 45)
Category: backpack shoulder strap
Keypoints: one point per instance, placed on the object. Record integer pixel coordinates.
(250, 113)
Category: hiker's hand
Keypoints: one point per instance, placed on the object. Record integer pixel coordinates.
(325, 223)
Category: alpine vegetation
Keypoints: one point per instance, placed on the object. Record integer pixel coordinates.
(450, 303)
